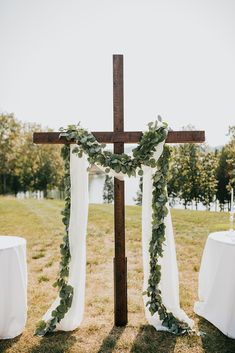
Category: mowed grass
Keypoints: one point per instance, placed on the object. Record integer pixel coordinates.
(40, 223)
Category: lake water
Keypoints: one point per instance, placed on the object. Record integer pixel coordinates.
(96, 184)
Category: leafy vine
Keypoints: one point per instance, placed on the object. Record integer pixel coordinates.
(160, 211)
(143, 154)
(65, 290)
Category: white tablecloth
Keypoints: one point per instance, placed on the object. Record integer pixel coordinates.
(13, 286)
(217, 282)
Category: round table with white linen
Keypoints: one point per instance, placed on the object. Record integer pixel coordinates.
(13, 286)
(216, 288)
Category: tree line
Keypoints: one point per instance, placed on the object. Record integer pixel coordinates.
(25, 166)
(197, 173)
(200, 175)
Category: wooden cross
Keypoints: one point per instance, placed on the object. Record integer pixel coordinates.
(118, 137)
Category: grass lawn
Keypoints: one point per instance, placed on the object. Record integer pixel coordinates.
(40, 223)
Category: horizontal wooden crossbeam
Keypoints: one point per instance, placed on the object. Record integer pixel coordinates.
(124, 137)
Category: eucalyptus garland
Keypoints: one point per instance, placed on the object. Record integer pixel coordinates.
(65, 290)
(160, 211)
(143, 154)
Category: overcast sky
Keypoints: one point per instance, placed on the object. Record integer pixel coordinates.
(179, 58)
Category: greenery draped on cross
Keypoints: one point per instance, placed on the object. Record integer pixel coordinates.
(143, 154)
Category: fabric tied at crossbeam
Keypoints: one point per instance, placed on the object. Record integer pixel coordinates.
(169, 284)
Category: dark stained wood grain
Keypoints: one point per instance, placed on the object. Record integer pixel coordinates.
(121, 136)
(120, 261)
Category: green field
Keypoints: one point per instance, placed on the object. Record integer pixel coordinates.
(40, 223)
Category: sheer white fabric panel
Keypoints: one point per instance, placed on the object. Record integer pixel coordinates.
(169, 283)
(77, 240)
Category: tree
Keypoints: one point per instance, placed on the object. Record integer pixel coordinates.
(9, 138)
(185, 173)
(173, 185)
(26, 157)
(208, 182)
(23, 164)
(231, 157)
(108, 190)
(49, 169)
(230, 162)
(223, 177)
(139, 194)
(39, 167)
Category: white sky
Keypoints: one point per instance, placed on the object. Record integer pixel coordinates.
(56, 62)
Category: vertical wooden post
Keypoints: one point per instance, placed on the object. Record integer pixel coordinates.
(120, 261)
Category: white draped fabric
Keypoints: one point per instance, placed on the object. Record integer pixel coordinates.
(13, 286)
(77, 237)
(77, 241)
(216, 288)
(169, 284)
